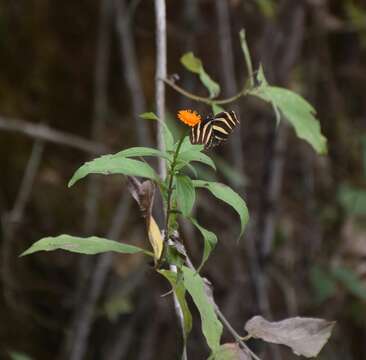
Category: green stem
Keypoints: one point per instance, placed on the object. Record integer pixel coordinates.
(170, 186)
(248, 60)
(206, 100)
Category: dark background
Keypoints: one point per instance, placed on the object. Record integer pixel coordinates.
(87, 70)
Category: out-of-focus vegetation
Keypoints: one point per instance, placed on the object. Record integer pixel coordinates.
(307, 237)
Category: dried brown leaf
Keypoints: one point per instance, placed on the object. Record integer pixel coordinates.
(143, 193)
(155, 238)
(305, 336)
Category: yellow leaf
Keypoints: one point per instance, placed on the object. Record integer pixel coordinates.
(155, 238)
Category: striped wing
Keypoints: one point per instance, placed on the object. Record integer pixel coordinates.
(214, 130)
(202, 133)
(223, 125)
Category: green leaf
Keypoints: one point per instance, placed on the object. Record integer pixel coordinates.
(188, 146)
(149, 116)
(351, 281)
(212, 86)
(194, 64)
(228, 195)
(211, 326)
(299, 113)
(180, 293)
(217, 109)
(114, 164)
(229, 351)
(168, 136)
(143, 151)
(210, 241)
(90, 245)
(186, 194)
(184, 158)
(191, 62)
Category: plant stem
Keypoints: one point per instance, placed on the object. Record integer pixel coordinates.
(170, 186)
(248, 60)
(206, 100)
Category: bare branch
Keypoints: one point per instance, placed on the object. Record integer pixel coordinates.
(44, 132)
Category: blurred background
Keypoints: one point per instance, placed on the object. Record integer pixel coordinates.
(74, 75)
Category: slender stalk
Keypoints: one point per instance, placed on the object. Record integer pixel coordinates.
(170, 186)
(248, 59)
(206, 100)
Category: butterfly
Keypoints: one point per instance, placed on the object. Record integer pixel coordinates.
(214, 130)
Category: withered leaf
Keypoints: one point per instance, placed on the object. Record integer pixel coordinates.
(305, 336)
(155, 238)
(229, 351)
(143, 193)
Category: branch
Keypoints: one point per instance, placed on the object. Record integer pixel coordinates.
(206, 100)
(43, 132)
(160, 73)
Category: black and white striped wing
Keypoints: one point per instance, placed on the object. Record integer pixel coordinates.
(202, 133)
(223, 125)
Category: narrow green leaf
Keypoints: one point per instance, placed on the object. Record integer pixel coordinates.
(168, 136)
(246, 53)
(211, 326)
(299, 113)
(114, 164)
(143, 151)
(194, 64)
(210, 241)
(186, 194)
(188, 146)
(191, 62)
(228, 195)
(217, 109)
(90, 245)
(230, 351)
(186, 157)
(149, 116)
(180, 292)
(212, 86)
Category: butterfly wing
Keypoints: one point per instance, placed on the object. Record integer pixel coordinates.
(202, 132)
(223, 125)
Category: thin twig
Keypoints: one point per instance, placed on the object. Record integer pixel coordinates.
(44, 132)
(206, 100)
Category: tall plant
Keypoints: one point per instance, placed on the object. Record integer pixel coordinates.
(306, 336)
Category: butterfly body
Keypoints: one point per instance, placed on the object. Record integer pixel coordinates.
(214, 130)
